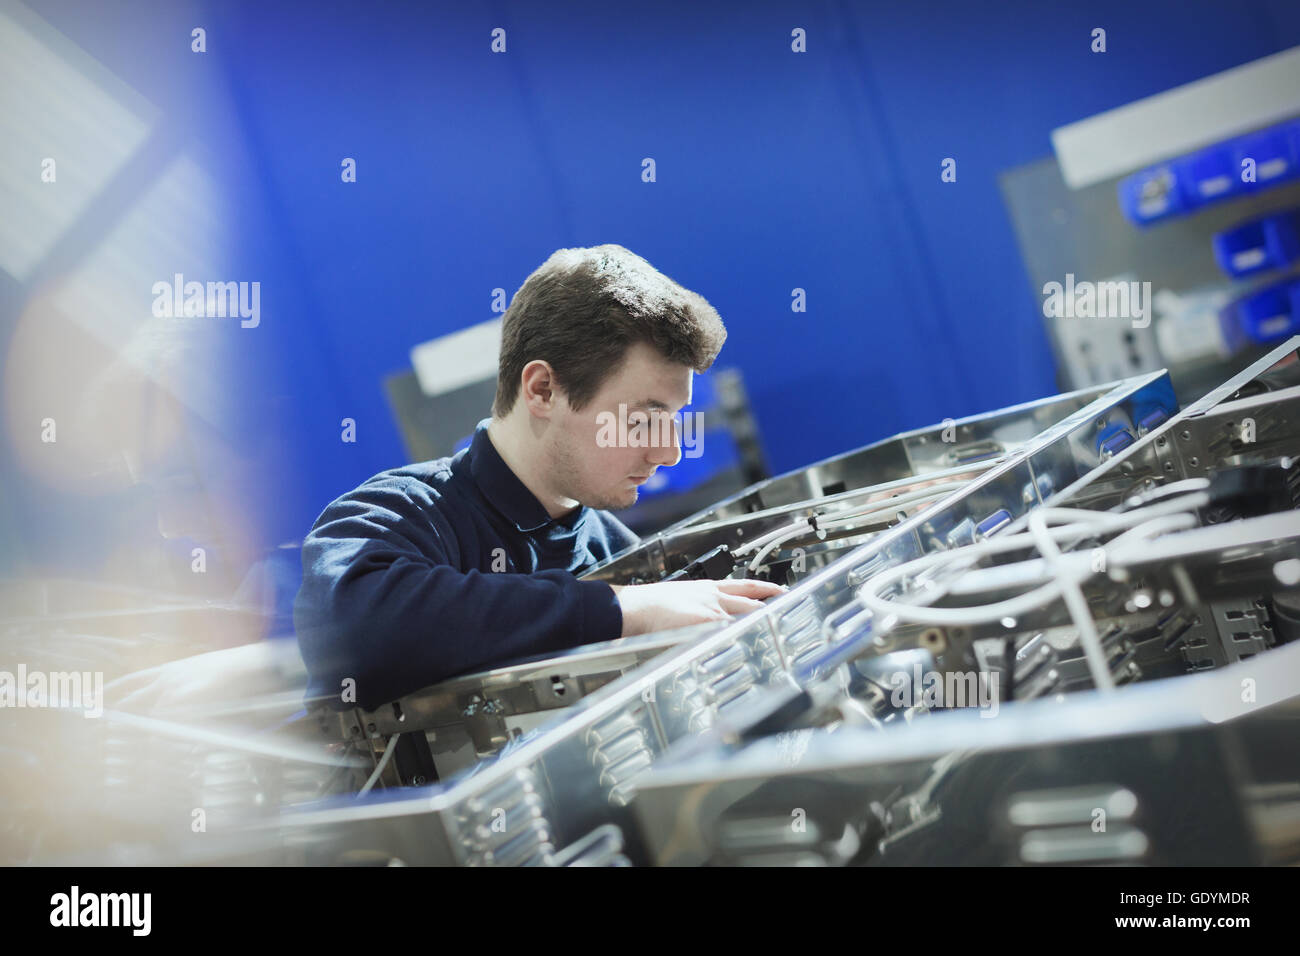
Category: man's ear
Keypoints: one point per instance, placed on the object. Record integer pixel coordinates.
(537, 388)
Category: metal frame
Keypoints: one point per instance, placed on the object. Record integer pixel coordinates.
(580, 771)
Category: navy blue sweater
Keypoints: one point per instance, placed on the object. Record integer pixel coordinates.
(446, 567)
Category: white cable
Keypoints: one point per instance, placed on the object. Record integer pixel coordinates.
(379, 767)
(968, 555)
(891, 506)
(883, 506)
(1147, 530)
(773, 545)
(870, 595)
(1174, 488)
(1072, 591)
(1075, 602)
(803, 528)
(743, 549)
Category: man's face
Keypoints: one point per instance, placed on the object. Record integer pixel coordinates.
(599, 455)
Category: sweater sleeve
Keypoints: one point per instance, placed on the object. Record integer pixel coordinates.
(383, 603)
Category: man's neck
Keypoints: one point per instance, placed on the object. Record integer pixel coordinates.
(518, 448)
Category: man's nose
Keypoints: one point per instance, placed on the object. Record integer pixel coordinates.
(670, 453)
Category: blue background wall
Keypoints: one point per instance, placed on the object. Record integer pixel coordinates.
(775, 171)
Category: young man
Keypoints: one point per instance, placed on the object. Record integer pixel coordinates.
(450, 566)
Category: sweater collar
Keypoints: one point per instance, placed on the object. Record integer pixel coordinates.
(505, 491)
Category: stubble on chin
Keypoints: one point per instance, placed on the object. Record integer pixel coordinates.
(612, 503)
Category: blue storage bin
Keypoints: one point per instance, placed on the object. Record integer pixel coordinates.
(1186, 184)
(1269, 243)
(1274, 154)
(1151, 195)
(1209, 175)
(1266, 315)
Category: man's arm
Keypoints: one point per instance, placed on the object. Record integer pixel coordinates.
(382, 603)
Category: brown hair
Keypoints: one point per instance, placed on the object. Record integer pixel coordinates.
(582, 308)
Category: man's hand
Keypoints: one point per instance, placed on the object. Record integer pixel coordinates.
(657, 607)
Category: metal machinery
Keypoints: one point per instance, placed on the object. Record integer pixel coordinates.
(1177, 558)
(1074, 582)
(784, 528)
(1060, 632)
(564, 789)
